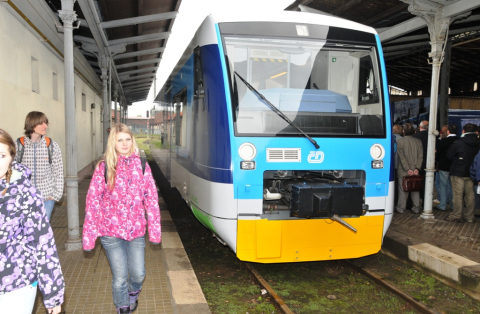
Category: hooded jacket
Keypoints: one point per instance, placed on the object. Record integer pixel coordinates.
(27, 246)
(46, 177)
(462, 153)
(120, 212)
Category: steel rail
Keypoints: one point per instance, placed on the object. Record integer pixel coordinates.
(269, 289)
(421, 307)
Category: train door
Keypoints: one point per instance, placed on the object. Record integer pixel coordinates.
(179, 174)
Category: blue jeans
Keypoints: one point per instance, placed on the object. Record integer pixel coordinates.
(127, 262)
(49, 207)
(444, 189)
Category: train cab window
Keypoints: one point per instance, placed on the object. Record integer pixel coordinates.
(323, 87)
(367, 89)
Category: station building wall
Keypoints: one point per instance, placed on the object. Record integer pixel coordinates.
(32, 78)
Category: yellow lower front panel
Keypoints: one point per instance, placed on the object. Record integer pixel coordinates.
(285, 241)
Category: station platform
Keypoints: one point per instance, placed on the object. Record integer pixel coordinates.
(170, 284)
(449, 250)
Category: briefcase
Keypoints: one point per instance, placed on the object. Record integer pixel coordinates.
(412, 183)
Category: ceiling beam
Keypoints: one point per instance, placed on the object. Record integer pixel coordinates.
(138, 92)
(350, 4)
(402, 47)
(139, 85)
(138, 53)
(137, 82)
(138, 71)
(134, 64)
(392, 11)
(459, 7)
(140, 39)
(451, 33)
(139, 20)
(466, 41)
(138, 77)
(450, 10)
(138, 88)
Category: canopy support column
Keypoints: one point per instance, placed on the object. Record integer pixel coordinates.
(74, 241)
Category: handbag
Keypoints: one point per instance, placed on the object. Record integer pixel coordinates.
(412, 183)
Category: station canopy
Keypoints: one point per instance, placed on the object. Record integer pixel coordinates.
(406, 41)
(133, 33)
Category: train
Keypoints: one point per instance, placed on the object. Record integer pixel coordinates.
(276, 132)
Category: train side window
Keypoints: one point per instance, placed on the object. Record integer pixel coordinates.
(367, 90)
(180, 119)
(199, 88)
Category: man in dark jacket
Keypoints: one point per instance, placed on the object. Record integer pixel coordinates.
(444, 188)
(462, 153)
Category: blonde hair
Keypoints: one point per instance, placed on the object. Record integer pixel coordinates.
(6, 139)
(111, 156)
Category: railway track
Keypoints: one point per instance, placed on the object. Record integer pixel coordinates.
(229, 288)
(419, 306)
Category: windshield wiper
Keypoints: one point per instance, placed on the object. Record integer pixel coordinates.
(277, 111)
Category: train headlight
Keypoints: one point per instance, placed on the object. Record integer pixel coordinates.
(377, 152)
(247, 151)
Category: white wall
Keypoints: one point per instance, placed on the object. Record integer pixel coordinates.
(19, 43)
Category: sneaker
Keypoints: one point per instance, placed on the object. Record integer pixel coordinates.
(467, 220)
(399, 212)
(452, 219)
(436, 201)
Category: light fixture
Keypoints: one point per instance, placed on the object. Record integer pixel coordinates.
(377, 152)
(247, 151)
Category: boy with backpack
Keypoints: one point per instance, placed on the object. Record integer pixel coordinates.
(44, 158)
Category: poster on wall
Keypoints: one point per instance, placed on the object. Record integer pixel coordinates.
(411, 110)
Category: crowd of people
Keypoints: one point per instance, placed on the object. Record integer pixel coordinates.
(457, 165)
(122, 193)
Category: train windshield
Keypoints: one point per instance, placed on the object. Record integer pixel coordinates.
(325, 89)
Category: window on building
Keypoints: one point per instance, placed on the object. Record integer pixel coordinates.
(84, 102)
(55, 85)
(449, 90)
(35, 76)
(475, 86)
(419, 93)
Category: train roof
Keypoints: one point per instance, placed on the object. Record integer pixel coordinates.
(291, 17)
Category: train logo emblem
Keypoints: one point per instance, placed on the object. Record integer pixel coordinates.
(315, 157)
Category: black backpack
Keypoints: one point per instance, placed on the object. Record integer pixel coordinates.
(143, 160)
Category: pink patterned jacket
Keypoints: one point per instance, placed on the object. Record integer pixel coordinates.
(120, 213)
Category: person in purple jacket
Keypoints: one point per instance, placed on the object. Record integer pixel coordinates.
(28, 255)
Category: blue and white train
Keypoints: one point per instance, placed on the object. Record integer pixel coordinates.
(277, 134)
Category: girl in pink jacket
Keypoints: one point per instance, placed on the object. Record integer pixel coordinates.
(115, 212)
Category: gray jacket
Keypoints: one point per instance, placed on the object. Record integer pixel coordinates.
(410, 155)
